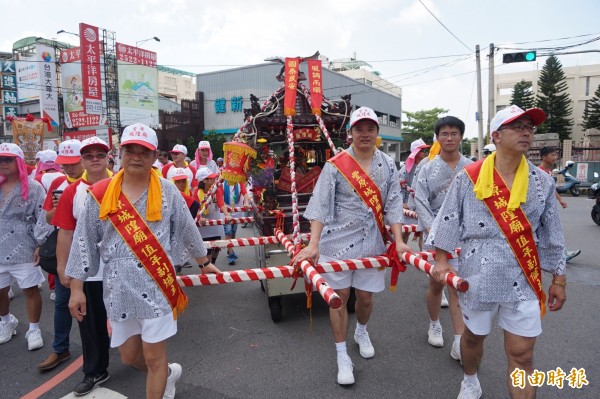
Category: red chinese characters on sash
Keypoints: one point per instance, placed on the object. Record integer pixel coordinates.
(292, 69)
(143, 243)
(516, 228)
(315, 80)
(369, 193)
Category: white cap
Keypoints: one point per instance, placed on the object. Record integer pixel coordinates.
(418, 144)
(176, 174)
(11, 150)
(141, 134)
(69, 152)
(47, 156)
(509, 114)
(363, 113)
(205, 173)
(94, 141)
(204, 144)
(489, 148)
(179, 148)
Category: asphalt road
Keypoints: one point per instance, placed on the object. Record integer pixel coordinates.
(230, 348)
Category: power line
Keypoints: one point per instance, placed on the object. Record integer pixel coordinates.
(560, 38)
(449, 31)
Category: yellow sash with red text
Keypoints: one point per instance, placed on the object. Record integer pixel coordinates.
(145, 246)
(516, 228)
(369, 193)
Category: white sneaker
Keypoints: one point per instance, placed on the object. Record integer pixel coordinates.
(469, 391)
(52, 296)
(364, 343)
(444, 300)
(11, 294)
(34, 339)
(8, 329)
(435, 336)
(455, 351)
(174, 376)
(345, 366)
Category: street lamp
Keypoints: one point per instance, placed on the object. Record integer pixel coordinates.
(64, 31)
(137, 44)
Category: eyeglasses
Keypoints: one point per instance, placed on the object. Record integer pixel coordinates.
(89, 157)
(447, 134)
(6, 159)
(520, 128)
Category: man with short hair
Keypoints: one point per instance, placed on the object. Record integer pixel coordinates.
(178, 154)
(356, 195)
(92, 329)
(20, 209)
(502, 213)
(163, 157)
(431, 187)
(131, 220)
(549, 157)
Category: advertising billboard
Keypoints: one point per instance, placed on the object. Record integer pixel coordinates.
(138, 85)
(89, 40)
(46, 60)
(28, 79)
(72, 84)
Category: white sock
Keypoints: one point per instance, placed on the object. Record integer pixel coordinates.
(360, 328)
(472, 379)
(341, 349)
(435, 323)
(457, 340)
(6, 318)
(34, 326)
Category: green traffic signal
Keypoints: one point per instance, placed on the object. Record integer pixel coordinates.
(530, 56)
(523, 56)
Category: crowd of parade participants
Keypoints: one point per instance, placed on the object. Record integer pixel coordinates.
(117, 254)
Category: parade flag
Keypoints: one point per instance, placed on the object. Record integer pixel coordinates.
(292, 66)
(29, 135)
(315, 79)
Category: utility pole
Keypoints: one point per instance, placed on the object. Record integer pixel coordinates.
(491, 93)
(479, 105)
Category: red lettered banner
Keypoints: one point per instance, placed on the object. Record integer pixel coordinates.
(307, 133)
(292, 68)
(90, 55)
(516, 228)
(315, 80)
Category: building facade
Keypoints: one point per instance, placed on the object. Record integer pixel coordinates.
(227, 92)
(582, 82)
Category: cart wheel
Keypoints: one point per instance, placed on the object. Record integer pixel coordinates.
(276, 308)
(351, 301)
(596, 216)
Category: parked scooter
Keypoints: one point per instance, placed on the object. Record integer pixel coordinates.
(571, 183)
(595, 194)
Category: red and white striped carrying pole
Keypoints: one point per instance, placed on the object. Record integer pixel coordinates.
(246, 241)
(240, 209)
(410, 214)
(292, 164)
(451, 279)
(209, 197)
(332, 299)
(218, 222)
(430, 255)
(286, 271)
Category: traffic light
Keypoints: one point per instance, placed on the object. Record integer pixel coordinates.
(523, 56)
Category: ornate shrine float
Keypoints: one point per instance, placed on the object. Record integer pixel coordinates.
(282, 146)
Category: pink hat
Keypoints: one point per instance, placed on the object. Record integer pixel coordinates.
(69, 152)
(94, 141)
(141, 134)
(11, 150)
(179, 148)
(415, 147)
(363, 113)
(176, 174)
(509, 114)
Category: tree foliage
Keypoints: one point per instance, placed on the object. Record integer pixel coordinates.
(553, 98)
(591, 116)
(421, 124)
(522, 95)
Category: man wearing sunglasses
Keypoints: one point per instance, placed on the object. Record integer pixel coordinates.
(505, 212)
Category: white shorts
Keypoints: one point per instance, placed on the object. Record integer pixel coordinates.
(151, 330)
(520, 318)
(26, 274)
(370, 280)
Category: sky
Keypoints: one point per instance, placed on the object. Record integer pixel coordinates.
(432, 57)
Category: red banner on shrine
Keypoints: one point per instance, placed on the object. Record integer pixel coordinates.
(292, 69)
(315, 80)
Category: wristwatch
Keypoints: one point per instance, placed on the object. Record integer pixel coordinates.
(208, 262)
